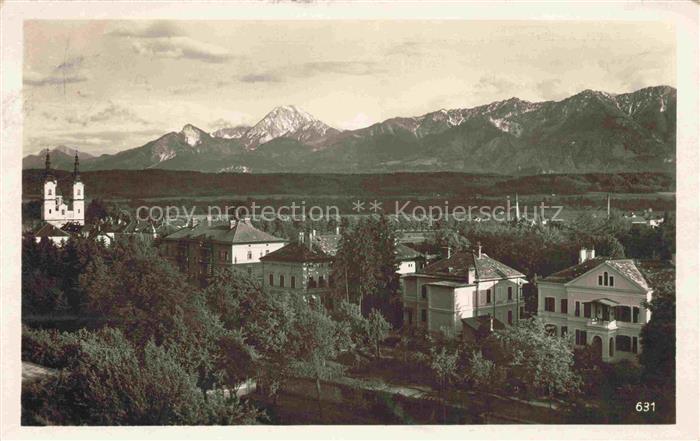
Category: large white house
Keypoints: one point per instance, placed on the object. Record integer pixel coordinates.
(597, 302)
(450, 294)
(56, 210)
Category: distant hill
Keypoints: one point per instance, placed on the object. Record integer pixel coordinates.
(588, 132)
(62, 158)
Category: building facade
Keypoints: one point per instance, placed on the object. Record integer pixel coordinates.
(301, 267)
(56, 210)
(447, 294)
(200, 249)
(598, 302)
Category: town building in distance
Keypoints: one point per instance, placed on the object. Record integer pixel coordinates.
(201, 248)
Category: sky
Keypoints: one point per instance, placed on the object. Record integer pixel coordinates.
(106, 86)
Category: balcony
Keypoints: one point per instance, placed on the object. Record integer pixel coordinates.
(598, 323)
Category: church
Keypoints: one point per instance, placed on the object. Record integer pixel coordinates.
(56, 210)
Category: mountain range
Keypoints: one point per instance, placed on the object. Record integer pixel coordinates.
(591, 131)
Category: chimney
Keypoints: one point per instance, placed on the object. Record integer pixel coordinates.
(449, 251)
(479, 253)
(246, 220)
(337, 230)
(301, 237)
(591, 253)
(584, 255)
(491, 323)
(232, 223)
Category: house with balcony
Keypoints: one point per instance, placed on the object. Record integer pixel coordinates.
(456, 294)
(199, 249)
(597, 302)
(301, 267)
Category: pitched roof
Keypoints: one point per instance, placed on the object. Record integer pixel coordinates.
(48, 230)
(240, 232)
(482, 321)
(406, 253)
(297, 252)
(459, 264)
(626, 267)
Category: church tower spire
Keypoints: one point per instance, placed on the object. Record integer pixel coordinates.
(76, 166)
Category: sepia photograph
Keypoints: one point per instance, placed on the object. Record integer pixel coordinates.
(342, 220)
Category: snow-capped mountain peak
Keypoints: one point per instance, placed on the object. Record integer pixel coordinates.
(286, 121)
(192, 134)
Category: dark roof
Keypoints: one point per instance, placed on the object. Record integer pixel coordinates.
(297, 252)
(626, 267)
(406, 253)
(328, 243)
(482, 321)
(241, 232)
(459, 264)
(48, 230)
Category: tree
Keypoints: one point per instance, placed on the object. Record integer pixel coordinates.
(318, 343)
(111, 382)
(485, 376)
(539, 359)
(377, 330)
(444, 366)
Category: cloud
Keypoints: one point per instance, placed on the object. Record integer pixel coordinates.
(305, 70)
(265, 77)
(550, 89)
(181, 47)
(342, 67)
(359, 121)
(164, 39)
(71, 64)
(33, 78)
(158, 29)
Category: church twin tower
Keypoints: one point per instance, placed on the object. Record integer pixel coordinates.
(55, 210)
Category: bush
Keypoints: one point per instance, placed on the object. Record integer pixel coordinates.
(51, 348)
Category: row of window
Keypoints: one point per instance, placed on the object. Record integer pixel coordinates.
(424, 316)
(606, 280)
(50, 194)
(424, 293)
(312, 283)
(621, 313)
(622, 343)
(63, 212)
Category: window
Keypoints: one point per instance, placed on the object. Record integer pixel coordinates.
(49, 193)
(423, 315)
(293, 282)
(267, 251)
(623, 314)
(549, 304)
(522, 312)
(272, 280)
(510, 317)
(635, 315)
(78, 210)
(282, 280)
(581, 338)
(634, 345)
(250, 254)
(605, 278)
(49, 211)
(577, 311)
(611, 347)
(312, 282)
(63, 211)
(600, 280)
(623, 343)
(424, 292)
(564, 306)
(612, 281)
(488, 296)
(250, 271)
(78, 192)
(564, 331)
(510, 293)
(587, 310)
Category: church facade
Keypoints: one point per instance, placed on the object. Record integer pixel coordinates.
(57, 210)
